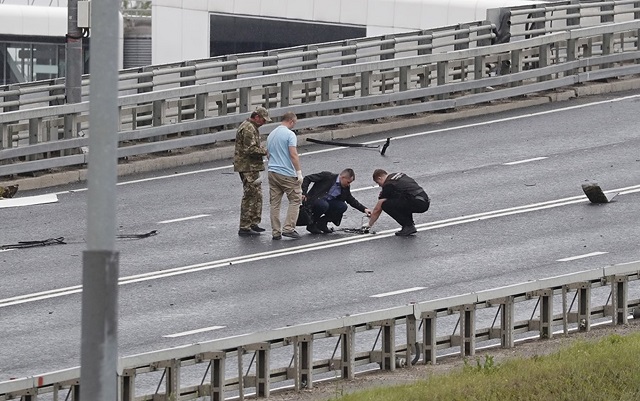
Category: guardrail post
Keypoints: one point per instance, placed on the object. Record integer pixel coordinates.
(244, 101)
(326, 84)
(506, 322)
(443, 77)
(240, 374)
(620, 297)
(572, 55)
(468, 330)
(412, 338)
(403, 81)
(56, 92)
(70, 130)
(607, 47)
(543, 60)
(230, 71)
(285, 94)
(303, 361)
(201, 110)
(128, 385)
(309, 94)
(159, 117)
(478, 71)
(365, 87)
(429, 342)
(584, 306)
(349, 54)
(269, 98)
(172, 379)
(389, 43)
(546, 313)
(388, 356)
(263, 379)
(348, 354)
(218, 376)
(5, 137)
(35, 133)
(516, 65)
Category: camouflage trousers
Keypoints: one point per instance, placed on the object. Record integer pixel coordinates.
(251, 205)
(8, 192)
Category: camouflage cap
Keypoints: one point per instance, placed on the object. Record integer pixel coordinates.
(264, 113)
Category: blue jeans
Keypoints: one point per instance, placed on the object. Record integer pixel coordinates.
(329, 210)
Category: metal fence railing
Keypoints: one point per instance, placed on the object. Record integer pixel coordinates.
(525, 21)
(56, 136)
(387, 339)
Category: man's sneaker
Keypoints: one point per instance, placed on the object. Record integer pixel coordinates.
(313, 229)
(246, 232)
(291, 234)
(406, 231)
(257, 228)
(322, 225)
(277, 237)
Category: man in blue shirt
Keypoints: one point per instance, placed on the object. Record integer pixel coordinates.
(285, 177)
(328, 197)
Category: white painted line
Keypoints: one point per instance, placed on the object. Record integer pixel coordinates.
(586, 255)
(524, 161)
(237, 260)
(28, 200)
(388, 294)
(184, 219)
(186, 333)
(459, 127)
(6, 250)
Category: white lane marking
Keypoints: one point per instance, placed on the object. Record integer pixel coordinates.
(388, 294)
(199, 216)
(535, 159)
(308, 247)
(196, 331)
(28, 200)
(586, 255)
(7, 250)
(459, 127)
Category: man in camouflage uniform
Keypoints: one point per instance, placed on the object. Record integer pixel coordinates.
(247, 161)
(8, 192)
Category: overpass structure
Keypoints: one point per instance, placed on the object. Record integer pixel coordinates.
(384, 87)
(194, 103)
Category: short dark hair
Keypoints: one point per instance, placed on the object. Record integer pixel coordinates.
(348, 172)
(377, 173)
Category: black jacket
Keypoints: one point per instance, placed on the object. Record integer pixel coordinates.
(322, 183)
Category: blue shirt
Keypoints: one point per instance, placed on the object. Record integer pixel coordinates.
(335, 191)
(278, 143)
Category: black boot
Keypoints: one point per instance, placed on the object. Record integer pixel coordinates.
(406, 231)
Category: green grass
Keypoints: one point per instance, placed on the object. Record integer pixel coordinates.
(606, 370)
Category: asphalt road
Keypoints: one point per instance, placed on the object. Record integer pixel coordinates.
(507, 207)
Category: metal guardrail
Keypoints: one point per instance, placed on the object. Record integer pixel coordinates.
(47, 138)
(526, 21)
(391, 340)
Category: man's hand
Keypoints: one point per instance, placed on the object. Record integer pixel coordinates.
(367, 212)
(300, 177)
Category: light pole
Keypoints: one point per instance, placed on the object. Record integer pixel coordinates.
(99, 343)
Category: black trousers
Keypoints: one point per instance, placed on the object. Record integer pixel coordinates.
(401, 210)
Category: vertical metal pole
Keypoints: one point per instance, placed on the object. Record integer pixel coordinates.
(99, 344)
(74, 60)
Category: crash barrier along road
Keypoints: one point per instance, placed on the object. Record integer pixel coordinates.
(209, 112)
(391, 338)
(525, 22)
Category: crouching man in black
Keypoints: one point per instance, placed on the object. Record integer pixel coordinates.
(328, 198)
(400, 197)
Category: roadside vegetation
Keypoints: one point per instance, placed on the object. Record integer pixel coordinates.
(604, 370)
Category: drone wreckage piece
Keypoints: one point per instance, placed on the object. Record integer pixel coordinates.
(381, 148)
